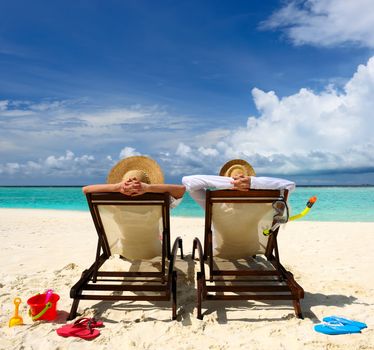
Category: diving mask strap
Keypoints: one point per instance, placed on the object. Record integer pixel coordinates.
(279, 217)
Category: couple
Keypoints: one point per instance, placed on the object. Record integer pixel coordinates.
(136, 175)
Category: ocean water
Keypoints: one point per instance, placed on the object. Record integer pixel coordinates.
(333, 204)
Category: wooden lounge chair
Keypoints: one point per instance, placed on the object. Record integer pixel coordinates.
(131, 227)
(244, 263)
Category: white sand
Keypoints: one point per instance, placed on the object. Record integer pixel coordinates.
(333, 262)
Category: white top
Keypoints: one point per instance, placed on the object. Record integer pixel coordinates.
(197, 184)
(174, 202)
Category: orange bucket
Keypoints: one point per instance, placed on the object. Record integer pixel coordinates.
(42, 310)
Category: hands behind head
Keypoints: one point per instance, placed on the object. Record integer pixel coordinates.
(133, 187)
(241, 182)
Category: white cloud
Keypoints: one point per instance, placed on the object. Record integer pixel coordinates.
(9, 168)
(303, 133)
(3, 105)
(38, 129)
(67, 165)
(183, 150)
(128, 152)
(210, 152)
(326, 22)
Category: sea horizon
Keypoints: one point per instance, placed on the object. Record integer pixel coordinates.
(335, 203)
(352, 185)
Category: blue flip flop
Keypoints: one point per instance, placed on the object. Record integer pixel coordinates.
(335, 328)
(345, 321)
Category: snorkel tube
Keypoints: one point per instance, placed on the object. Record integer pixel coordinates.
(309, 205)
(278, 219)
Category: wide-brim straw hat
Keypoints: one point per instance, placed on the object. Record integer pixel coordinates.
(237, 167)
(145, 169)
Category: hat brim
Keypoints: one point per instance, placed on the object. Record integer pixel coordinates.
(142, 163)
(248, 167)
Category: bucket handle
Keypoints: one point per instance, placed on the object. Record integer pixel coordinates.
(41, 313)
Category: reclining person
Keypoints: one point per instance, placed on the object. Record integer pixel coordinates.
(229, 238)
(137, 175)
(135, 231)
(237, 174)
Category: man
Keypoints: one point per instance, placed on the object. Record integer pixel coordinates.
(237, 174)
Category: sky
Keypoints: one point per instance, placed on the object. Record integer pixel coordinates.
(286, 85)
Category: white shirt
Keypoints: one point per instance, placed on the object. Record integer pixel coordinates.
(196, 185)
(174, 202)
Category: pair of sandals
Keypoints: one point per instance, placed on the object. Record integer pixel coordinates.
(334, 325)
(84, 328)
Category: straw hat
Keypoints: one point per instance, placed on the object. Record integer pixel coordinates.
(143, 168)
(237, 167)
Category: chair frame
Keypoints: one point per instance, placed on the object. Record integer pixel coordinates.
(276, 282)
(92, 279)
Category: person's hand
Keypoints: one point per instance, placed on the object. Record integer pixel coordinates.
(139, 188)
(241, 182)
(133, 187)
(129, 187)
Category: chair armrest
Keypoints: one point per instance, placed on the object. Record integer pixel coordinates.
(177, 244)
(197, 245)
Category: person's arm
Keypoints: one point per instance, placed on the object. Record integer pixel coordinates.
(196, 185)
(124, 187)
(203, 182)
(245, 183)
(102, 188)
(176, 191)
(271, 183)
(138, 188)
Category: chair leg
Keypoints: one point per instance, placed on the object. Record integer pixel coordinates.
(199, 295)
(174, 295)
(73, 310)
(194, 246)
(297, 308)
(180, 245)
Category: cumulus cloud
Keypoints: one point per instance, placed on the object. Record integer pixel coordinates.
(304, 133)
(3, 105)
(309, 132)
(66, 165)
(326, 22)
(128, 152)
(80, 126)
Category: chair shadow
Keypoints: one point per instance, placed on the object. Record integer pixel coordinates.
(310, 300)
(185, 298)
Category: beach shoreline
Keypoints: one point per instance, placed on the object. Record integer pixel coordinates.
(44, 249)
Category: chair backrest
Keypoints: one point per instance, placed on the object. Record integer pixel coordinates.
(238, 219)
(136, 228)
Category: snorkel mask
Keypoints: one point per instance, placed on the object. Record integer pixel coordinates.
(281, 215)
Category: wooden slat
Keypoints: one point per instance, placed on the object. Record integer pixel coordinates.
(121, 287)
(247, 288)
(124, 297)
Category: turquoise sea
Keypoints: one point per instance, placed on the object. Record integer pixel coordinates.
(333, 204)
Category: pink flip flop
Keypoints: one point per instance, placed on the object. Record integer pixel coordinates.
(82, 328)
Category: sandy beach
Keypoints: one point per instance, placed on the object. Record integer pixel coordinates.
(43, 249)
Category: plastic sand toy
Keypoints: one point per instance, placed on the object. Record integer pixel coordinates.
(16, 320)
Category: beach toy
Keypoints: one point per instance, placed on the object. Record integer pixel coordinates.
(279, 218)
(43, 306)
(48, 295)
(16, 320)
(345, 321)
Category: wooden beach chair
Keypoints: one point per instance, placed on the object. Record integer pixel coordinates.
(138, 230)
(242, 263)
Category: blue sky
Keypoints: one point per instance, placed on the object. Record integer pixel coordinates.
(286, 85)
